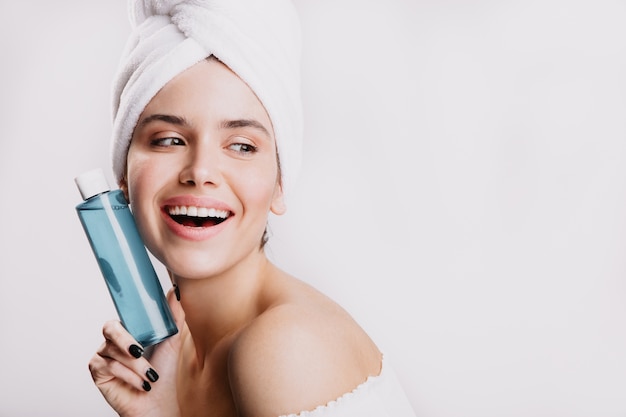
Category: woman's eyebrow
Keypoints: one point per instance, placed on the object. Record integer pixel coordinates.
(238, 123)
(225, 124)
(167, 118)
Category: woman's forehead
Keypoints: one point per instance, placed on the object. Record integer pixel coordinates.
(209, 90)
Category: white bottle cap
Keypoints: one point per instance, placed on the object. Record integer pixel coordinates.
(92, 183)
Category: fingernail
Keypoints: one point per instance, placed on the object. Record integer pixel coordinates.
(146, 386)
(152, 375)
(177, 292)
(136, 351)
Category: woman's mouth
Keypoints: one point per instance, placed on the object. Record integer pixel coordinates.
(193, 216)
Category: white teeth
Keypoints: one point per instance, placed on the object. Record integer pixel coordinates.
(194, 211)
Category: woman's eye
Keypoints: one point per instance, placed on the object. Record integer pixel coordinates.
(165, 142)
(243, 148)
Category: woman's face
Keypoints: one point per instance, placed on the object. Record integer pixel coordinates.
(202, 172)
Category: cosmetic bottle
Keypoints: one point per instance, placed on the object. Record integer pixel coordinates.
(123, 259)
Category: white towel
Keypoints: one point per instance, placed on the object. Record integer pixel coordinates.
(259, 40)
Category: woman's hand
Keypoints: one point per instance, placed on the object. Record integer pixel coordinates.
(130, 383)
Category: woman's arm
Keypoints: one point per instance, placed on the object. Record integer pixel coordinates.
(132, 385)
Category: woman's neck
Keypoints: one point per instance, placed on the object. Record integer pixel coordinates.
(218, 306)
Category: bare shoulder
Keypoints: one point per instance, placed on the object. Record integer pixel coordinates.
(301, 353)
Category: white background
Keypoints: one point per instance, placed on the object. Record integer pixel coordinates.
(463, 196)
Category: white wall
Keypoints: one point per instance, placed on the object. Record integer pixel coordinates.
(463, 196)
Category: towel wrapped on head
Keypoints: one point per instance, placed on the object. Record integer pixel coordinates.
(258, 40)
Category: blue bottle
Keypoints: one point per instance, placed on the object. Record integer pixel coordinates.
(130, 277)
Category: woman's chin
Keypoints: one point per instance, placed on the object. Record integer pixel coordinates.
(193, 269)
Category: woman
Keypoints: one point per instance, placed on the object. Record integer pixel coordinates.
(206, 131)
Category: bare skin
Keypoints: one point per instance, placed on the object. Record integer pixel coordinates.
(301, 351)
(253, 340)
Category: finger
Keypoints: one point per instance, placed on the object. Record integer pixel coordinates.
(176, 308)
(112, 357)
(114, 332)
(105, 371)
(121, 346)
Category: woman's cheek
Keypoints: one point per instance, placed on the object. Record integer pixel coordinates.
(260, 189)
(141, 192)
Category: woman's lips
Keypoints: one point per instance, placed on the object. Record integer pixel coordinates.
(195, 218)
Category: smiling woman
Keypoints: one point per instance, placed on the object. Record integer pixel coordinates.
(200, 158)
(216, 141)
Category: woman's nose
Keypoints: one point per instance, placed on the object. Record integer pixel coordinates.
(201, 168)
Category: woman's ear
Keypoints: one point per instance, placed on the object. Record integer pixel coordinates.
(278, 206)
(123, 184)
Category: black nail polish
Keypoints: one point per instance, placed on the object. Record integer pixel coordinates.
(152, 375)
(136, 351)
(146, 386)
(177, 292)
